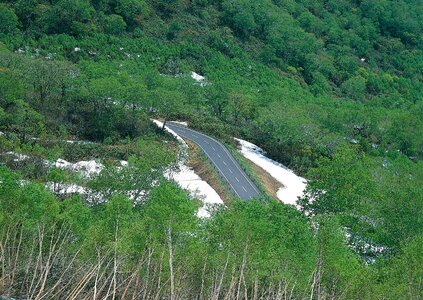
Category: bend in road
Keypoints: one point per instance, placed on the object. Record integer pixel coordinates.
(222, 160)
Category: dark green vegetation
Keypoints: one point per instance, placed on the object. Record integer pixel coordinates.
(334, 89)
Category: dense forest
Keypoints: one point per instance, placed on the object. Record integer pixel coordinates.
(332, 89)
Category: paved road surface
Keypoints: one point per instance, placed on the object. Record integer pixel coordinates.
(222, 160)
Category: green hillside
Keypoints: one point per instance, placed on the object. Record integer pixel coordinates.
(332, 89)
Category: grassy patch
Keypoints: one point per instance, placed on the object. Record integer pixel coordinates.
(270, 184)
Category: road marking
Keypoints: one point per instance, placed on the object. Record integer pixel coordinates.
(230, 157)
(244, 188)
(220, 171)
(218, 155)
(206, 142)
(230, 170)
(237, 179)
(224, 162)
(213, 148)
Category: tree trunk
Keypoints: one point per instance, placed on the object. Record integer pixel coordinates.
(172, 279)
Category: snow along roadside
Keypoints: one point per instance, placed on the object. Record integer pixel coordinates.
(189, 180)
(293, 185)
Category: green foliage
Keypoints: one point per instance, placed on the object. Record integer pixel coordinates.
(8, 20)
(169, 206)
(114, 24)
(404, 273)
(275, 239)
(342, 184)
(330, 88)
(354, 88)
(30, 204)
(141, 174)
(339, 272)
(133, 11)
(71, 16)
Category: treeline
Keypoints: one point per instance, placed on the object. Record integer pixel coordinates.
(88, 100)
(160, 249)
(113, 98)
(362, 50)
(304, 60)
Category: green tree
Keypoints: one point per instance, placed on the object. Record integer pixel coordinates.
(242, 108)
(133, 11)
(217, 99)
(8, 20)
(354, 88)
(336, 184)
(114, 24)
(319, 84)
(168, 103)
(403, 272)
(71, 17)
(339, 273)
(170, 219)
(257, 239)
(138, 178)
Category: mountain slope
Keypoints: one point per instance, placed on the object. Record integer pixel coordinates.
(332, 89)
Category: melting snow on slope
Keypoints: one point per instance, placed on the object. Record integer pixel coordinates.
(181, 140)
(19, 156)
(197, 77)
(200, 79)
(87, 168)
(64, 188)
(180, 123)
(197, 187)
(187, 179)
(293, 185)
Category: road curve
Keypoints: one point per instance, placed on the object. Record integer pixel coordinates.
(222, 160)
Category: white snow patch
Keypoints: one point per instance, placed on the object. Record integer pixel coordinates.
(189, 180)
(181, 140)
(197, 187)
(92, 196)
(370, 251)
(77, 49)
(62, 164)
(293, 185)
(181, 123)
(1, 133)
(79, 142)
(19, 156)
(90, 167)
(23, 182)
(197, 77)
(65, 188)
(201, 80)
(86, 168)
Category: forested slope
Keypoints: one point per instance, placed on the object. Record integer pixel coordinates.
(333, 89)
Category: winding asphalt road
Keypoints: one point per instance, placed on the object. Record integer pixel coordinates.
(222, 160)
